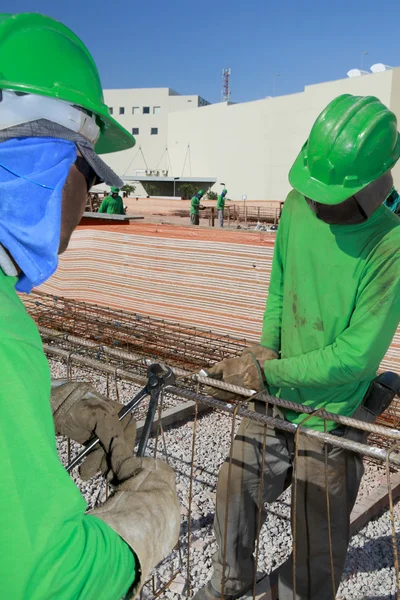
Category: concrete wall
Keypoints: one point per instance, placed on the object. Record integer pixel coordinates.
(395, 106)
(251, 146)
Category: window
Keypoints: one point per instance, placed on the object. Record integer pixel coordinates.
(146, 110)
(110, 108)
(135, 130)
(121, 110)
(154, 131)
(135, 110)
(156, 110)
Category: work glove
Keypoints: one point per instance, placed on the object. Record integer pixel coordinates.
(144, 508)
(79, 411)
(247, 370)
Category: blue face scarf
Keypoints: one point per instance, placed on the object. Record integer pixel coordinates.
(32, 175)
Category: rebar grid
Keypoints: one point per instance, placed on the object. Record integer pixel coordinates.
(179, 345)
(118, 365)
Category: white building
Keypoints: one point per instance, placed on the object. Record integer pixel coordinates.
(249, 146)
(145, 113)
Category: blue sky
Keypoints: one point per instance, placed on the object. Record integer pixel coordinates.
(184, 44)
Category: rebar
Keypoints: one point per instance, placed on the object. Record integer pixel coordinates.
(381, 430)
(363, 449)
(159, 339)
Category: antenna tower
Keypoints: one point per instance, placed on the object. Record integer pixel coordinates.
(226, 92)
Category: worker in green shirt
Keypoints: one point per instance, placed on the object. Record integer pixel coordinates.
(195, 207)
(112, 204)
(53, 124)
(221, 206)
(333, 308)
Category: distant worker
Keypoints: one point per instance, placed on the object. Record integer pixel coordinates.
(221, 206)
(393, 201)
(112, 204)
(195, 207)
(53, 122)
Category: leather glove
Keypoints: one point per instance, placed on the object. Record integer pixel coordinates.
(247, 370)
(78, 411)
(144, 509)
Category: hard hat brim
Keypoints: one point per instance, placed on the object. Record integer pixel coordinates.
(114, 137)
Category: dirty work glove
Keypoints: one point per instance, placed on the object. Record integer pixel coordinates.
(144, 509)
(247, 371)
(79, 411)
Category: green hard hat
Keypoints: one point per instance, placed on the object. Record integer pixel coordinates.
(353, 142)
(200, 193)
(224, 191)
(114, 190)
(39, 55)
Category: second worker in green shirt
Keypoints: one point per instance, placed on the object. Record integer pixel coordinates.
(333, 308)
(112, 204)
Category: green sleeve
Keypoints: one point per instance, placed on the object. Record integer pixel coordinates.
(271, 330)
(103, 206)
(195, 203)
(51, 547)
(355, 355)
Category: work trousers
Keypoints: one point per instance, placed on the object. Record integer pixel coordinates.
(194, 219)
(220, 218)
(341, 476)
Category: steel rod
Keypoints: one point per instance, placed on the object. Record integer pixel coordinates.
(179, 372)
(365, 450)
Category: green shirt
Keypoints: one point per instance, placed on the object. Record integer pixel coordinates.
(112, 206)
(333, 307)
(221, 202)
(194, 205)
(49, 547)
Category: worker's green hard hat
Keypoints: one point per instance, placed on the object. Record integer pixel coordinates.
(200, 193)
(114, 190)
(353, 142)
(39, 55)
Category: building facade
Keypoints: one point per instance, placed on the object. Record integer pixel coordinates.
(249, 147)
(145, 113)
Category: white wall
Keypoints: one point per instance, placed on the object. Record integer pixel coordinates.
(251, 146)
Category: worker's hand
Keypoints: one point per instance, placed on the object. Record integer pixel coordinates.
(144, 510)
(79, 412)
(246, 371)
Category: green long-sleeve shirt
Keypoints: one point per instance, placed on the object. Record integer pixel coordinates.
(333, 307)
(112, 206)
(195, 205)
(221, 202)
(49, 547)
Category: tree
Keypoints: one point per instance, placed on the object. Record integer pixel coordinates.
(151, 189)
(188, 190)
(212, 195)
(128, 188)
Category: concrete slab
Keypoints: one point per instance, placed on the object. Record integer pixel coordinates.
(372, 505)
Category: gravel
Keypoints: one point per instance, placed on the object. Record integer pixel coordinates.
(369, 571)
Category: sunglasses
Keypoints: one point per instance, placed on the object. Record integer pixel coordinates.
(88, 172)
